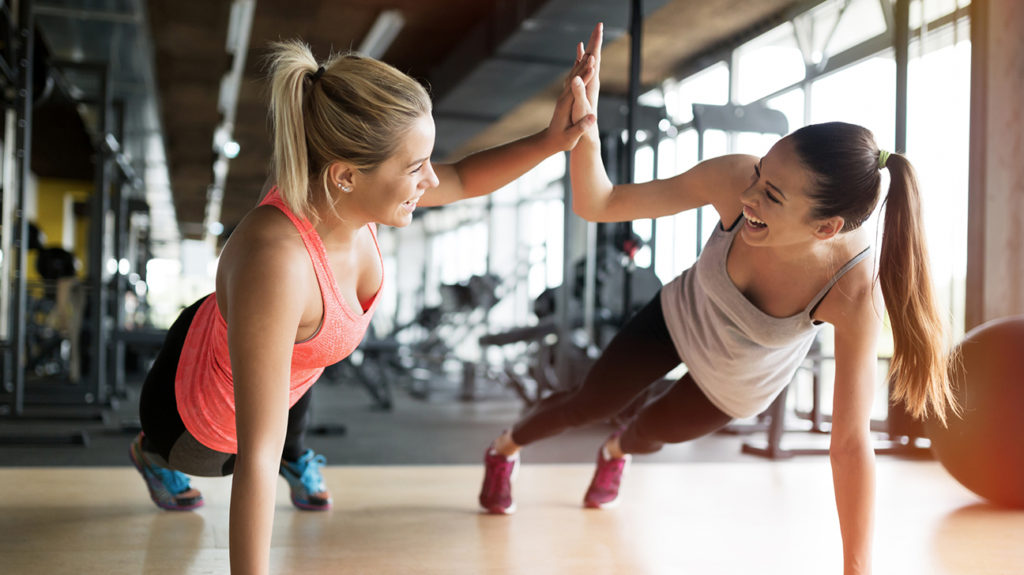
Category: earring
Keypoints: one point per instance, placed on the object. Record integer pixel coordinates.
(344, 188)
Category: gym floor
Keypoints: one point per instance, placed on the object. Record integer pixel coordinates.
(405, 482)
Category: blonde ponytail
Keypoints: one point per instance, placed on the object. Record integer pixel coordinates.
(291, 69)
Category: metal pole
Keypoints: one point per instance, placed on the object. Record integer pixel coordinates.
(563, 296)
(652, 243)
(636, 27)
(121, 185)
(636, 24)
(97, 235)
(901, 45)
(590, 283)
(7, 247)
(24, 55)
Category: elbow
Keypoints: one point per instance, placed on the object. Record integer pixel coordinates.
(590, 209)
(583, 210)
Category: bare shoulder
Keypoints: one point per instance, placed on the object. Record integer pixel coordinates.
(855, 302)
(724, 178)
(264, 252)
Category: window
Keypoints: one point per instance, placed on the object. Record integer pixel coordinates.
(864, 93)
(709, 86)
(938, 134)
(791, 104)
(930, 10)
(838, 25)
(767, 64)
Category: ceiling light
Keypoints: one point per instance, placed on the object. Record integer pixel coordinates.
(231, 149)
(382, 33)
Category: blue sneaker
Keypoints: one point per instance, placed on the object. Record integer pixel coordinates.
(169, 489)
(306, 482)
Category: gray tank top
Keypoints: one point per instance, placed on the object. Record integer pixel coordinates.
(739, 356)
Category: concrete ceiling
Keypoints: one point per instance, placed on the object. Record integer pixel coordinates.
(453, 46)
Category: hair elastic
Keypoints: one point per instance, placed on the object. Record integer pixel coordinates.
(883, 157)
(316, 75)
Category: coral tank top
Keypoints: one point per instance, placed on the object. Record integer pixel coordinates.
(203, 385)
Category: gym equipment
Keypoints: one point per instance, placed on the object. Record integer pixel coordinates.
(373, 365)
(984, 448)
(553, 367)
(39, 323)
(896, 434)
(420, 356)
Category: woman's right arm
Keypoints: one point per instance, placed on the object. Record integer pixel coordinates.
(264, 305)
(717, 181)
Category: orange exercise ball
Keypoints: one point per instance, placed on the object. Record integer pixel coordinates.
(984, 448)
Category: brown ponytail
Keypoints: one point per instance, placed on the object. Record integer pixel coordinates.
(919, 374)
(846, 163)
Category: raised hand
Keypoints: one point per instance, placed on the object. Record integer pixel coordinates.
(569, 120)
(593, 50)
(581, 108)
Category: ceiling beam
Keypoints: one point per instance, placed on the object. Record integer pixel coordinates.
(85, 14)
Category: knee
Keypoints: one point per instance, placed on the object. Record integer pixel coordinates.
(633, 441)
(191, 457)
(578, 414)
(645, 436)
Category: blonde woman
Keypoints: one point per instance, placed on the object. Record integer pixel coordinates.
(788, 255)
(300, 277)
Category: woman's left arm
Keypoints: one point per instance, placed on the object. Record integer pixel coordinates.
(486, 171)
(857, 321)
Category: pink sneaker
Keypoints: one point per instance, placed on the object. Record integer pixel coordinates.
(604, 487)
(499, 473)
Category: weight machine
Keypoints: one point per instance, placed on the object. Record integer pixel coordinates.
(29, 78)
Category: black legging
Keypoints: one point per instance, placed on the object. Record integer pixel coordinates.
(640, 354)
(165, 433)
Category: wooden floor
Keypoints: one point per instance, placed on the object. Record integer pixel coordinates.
(700, 518)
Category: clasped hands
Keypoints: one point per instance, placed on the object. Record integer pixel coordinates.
(576, 108)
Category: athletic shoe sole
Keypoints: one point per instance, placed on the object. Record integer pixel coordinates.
(305, 506)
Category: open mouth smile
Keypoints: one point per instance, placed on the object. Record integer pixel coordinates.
(753, 221)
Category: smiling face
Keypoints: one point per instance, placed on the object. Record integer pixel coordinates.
(776, 207)
(388, 193)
